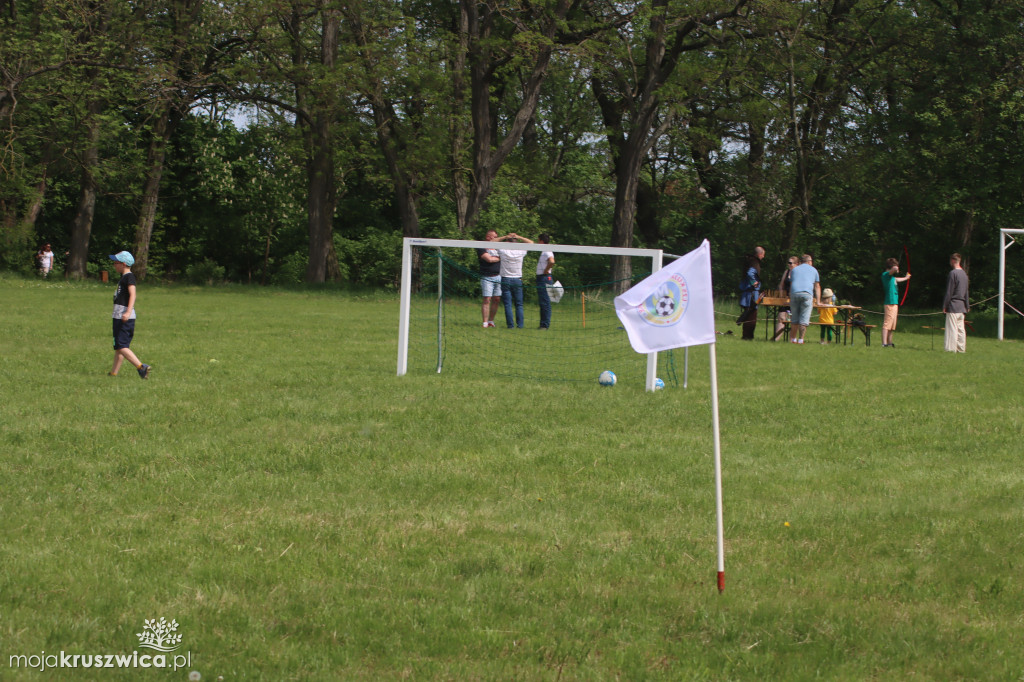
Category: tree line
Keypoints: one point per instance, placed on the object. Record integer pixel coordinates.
(278, 141)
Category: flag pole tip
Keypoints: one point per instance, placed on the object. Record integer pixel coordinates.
(721, 582)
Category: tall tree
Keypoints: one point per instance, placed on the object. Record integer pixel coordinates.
(400, 82)
(825, 48)
(293, 68)
(630, 85)
(178, 75)
(509, 47)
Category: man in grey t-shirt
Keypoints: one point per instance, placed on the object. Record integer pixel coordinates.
(956, 305)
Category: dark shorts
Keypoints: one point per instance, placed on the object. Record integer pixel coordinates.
(123, 333)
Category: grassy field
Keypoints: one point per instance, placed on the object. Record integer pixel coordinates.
(304, 514)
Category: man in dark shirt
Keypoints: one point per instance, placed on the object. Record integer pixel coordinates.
(490, 279)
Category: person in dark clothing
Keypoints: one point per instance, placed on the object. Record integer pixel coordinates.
(750, 292)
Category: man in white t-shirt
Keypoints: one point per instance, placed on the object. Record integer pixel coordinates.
(512, 280)
(544, 280)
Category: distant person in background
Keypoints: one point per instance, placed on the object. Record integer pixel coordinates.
(490, 279)
(804, 293)
(512, 280)
(750, 292)
(783, 318)
(45, 260)
(956, 304)
(891, 302)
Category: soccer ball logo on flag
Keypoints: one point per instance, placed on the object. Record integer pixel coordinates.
(667, 305)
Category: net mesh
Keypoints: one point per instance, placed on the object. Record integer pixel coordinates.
(446, 331)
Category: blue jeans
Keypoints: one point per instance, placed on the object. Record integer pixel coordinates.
(512, 289)
(543, 300)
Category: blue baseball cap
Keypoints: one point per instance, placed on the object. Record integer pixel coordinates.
(124, 257)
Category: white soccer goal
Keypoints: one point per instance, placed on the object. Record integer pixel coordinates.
(1004, 235)
(583, 325)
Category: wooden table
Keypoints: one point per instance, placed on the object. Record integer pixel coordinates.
(773, 303)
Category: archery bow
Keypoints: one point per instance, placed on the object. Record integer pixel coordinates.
(907, 289)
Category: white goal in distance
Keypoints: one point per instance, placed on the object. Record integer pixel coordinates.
(653, 256)
(1006, 240)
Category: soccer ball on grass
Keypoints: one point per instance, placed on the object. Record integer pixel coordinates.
(607, 378)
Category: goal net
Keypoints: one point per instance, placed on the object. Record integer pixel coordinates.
(442, 319)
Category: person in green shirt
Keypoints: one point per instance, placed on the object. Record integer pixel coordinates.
(891, 304)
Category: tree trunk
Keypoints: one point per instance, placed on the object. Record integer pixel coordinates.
(318, 135)
(456, 125)
(321, 202)
(81, 224)
(151, 189)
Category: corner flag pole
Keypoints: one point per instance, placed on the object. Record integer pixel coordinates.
(718, 469)
(649, 312)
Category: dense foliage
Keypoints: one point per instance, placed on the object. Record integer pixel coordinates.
(277, 141)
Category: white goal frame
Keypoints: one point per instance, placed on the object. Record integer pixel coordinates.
(656, 256)
(1004, 234)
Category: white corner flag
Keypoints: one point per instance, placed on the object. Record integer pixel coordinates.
(673, 308)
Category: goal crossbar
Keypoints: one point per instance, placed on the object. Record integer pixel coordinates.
(655, 255)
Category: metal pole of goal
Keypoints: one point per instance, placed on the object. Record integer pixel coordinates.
(440, 311)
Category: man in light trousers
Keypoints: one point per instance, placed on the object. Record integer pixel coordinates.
(956, 305)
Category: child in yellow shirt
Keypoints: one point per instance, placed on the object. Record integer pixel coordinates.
(827, 316)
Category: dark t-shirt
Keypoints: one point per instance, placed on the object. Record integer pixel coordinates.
(956, 300)
(121, 295)
(488, 269)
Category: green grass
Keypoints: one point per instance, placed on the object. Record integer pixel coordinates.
(304, 514)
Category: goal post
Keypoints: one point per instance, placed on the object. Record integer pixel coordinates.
(1004, 235)
(654, 256)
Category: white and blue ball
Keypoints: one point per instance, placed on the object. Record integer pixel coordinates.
(658, 384)
(607, 378)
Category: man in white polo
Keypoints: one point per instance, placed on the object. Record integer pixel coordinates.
(512, 280)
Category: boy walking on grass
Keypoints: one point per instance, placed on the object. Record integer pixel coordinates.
(124, 315)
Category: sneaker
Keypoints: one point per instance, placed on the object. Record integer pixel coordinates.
(144, 371)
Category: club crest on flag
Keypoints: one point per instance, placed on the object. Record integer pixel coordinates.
(673, 307)
(667, 305)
